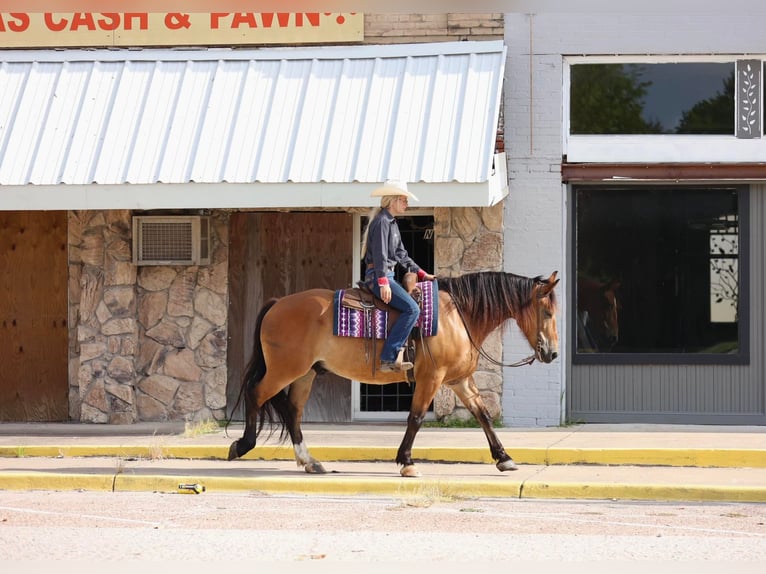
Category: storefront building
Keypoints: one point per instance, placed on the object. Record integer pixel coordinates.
(636, 163)
(152, 198)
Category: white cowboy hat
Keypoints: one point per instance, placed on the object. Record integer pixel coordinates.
(394, 187)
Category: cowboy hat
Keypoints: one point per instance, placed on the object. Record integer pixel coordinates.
(393, 187)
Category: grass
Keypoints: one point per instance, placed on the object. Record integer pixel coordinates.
(201, 428)
(471, 423)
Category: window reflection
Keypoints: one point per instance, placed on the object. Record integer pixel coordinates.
(671, 98)
(658, 270)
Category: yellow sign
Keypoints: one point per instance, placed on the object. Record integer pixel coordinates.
(49, 29)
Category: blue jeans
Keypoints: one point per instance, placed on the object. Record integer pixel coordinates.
(400, 330)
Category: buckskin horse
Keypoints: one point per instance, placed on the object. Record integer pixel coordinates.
(294, 340)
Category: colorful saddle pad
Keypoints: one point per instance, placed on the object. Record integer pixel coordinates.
(360, 323)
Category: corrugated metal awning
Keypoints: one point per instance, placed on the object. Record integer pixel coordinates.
(292, 127)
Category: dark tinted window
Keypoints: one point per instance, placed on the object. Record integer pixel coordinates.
(681, 98)
(660, 272)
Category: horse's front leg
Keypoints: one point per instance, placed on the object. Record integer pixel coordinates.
(421, 399)
(298, 394)
(468, 393)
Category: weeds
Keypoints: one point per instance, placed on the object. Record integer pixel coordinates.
(201, 427)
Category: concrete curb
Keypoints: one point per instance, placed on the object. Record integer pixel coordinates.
(387, 486)
(675, 457)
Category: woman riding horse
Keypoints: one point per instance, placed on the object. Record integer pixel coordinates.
(294, 340)
(382, 250)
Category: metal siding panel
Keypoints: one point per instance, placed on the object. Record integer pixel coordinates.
(220, 116)
(411, 115)
(95, 110)
(374, 143)
(120, 136)
(29, 122)
(281, 121)
(271, 115)
(318, 109)
(62, 121)
(248, 132)
(349, 117)
(161, 96)
(12, 78)
(445, 125)
(187, 118)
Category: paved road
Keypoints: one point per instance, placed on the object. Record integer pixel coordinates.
(254, 526)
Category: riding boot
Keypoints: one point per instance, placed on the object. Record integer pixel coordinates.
(398, 365)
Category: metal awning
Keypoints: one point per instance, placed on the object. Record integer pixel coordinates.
(239, 128)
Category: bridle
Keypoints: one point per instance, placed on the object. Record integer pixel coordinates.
(526, 361)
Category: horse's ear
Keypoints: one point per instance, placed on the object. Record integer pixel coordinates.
(548, 285)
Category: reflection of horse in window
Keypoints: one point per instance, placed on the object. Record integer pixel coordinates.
(597, 322)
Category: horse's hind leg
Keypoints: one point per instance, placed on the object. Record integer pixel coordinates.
(468, 393)
(298, 394)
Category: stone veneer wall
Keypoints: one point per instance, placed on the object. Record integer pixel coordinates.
(470, 239)
(146, 343)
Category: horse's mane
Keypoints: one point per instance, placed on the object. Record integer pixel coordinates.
(489, 298)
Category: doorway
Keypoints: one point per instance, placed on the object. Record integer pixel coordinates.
(392, 402)
(34, 334)
(272, 254)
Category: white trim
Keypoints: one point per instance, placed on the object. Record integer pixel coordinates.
(661, 58)
(242, 195)
(664, 148)
(281, 53)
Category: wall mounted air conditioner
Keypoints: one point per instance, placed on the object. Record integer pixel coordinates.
(171, 240)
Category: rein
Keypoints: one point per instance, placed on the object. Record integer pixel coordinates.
(526, 361)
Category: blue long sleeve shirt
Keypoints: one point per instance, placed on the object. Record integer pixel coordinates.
(385, 248)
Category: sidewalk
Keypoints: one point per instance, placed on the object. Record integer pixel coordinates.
(649, 462)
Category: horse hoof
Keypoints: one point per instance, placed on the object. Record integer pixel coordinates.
(506, 465)
(233, 451)
(315, 468)
(410, 471)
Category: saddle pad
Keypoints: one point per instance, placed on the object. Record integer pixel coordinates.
(358, 323)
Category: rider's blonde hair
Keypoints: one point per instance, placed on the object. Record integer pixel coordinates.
(385, 201)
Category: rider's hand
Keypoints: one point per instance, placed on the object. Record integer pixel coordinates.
(385, 293)
(429, 277)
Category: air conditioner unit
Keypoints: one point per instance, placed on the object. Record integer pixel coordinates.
(171, 240)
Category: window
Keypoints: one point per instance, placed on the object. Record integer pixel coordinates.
(672, 98)
(661, 275)
(634, 109)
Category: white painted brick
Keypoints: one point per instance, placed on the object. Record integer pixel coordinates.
(536, 203)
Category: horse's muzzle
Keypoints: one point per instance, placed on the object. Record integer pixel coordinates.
(545, 353)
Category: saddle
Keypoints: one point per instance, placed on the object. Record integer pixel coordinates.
(361, 298)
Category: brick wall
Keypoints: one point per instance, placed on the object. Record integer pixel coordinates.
(404, 28)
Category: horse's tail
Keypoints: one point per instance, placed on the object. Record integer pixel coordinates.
(275, 410)
(256, 369)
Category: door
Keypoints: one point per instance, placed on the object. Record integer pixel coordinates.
(33, 316)
(273, 254)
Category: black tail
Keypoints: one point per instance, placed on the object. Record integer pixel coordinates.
(276, 409)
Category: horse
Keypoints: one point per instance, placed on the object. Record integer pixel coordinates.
(294, 341)
(598, 328)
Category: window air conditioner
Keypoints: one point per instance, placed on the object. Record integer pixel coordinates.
(171, 240)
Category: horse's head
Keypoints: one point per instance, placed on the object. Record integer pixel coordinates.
(542, 334)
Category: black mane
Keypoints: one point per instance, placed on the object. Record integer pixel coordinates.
(489, 298)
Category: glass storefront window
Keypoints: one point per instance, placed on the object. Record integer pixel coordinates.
(666, 98)
(659, 274)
